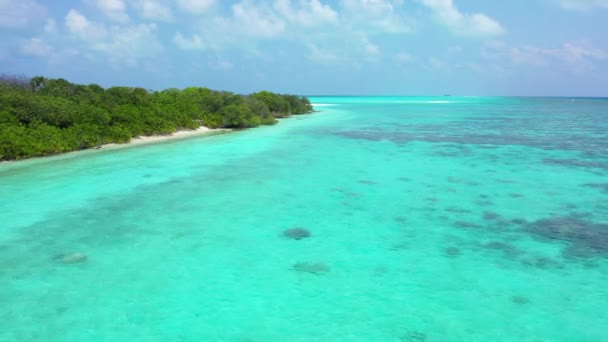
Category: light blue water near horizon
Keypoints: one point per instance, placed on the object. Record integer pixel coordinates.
(432, 219)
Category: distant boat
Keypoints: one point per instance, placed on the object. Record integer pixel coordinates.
(447, 95)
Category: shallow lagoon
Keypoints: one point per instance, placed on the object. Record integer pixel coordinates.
(430, 219)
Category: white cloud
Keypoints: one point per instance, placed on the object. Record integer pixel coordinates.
(81, 27)
(578, 57)
(345, 53)
(133, 43)
(247, 23)
(437, 64)
(121, 44)
(301, 20)
(379, 15)
(583, 5)
(403, 58)
(254, 20)
(370, 49)
(223, 65)
(323, 56)
(154, 10)
(20, 13)
(50, 26)
(193, 43)
(326, 31)
(475, 24)
(455, 49)
(527, 55)
(310, 13)
(196, 6)
(580, 53)
(573, 52)
(36, 47)
(115, 10)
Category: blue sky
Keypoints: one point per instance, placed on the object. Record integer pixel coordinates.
(392, 47)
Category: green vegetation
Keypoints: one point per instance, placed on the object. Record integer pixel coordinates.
(41, 116)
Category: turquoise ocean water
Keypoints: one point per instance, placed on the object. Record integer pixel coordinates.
(431, 219)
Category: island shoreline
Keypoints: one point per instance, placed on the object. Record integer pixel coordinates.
(177, 135)
(134, 142)
(143, 140)
(46, 117)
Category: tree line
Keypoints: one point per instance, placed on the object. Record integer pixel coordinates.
(42, 116)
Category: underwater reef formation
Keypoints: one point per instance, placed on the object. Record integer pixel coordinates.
(584, 238)
(296, 233)
(71, 258)
(316, 268)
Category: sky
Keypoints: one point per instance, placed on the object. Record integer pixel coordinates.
(314, 47)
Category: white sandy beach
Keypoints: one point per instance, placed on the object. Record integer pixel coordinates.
(142, 140)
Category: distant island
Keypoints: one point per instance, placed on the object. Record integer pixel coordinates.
(41, 116)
